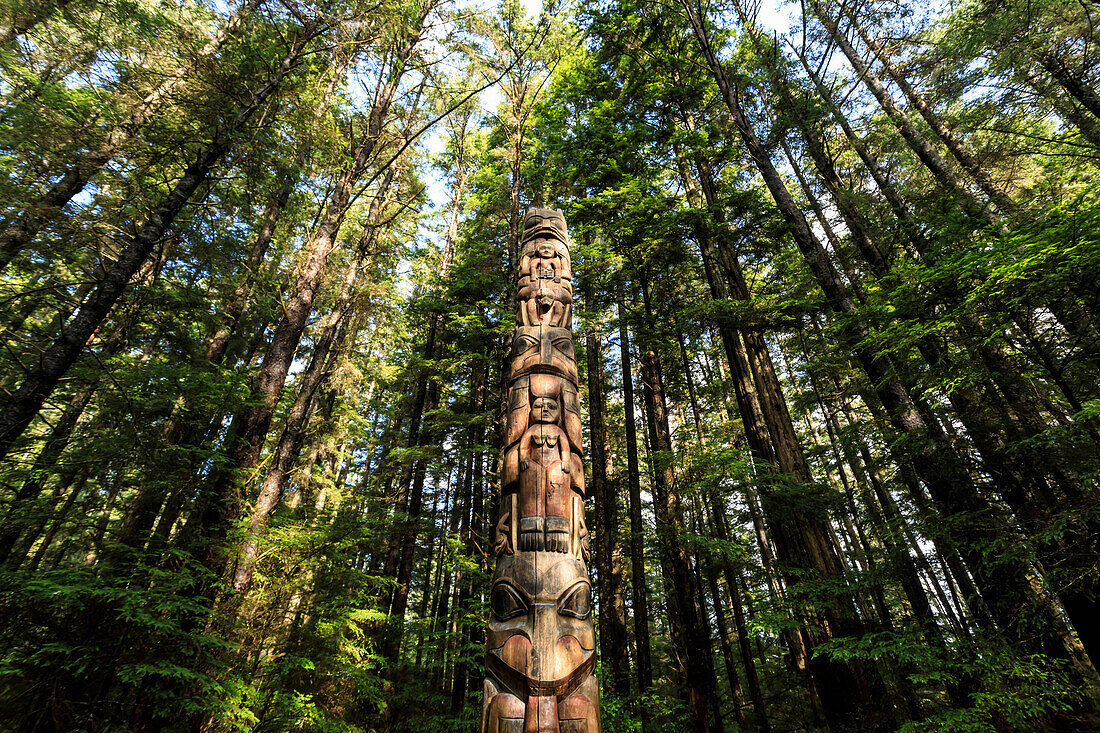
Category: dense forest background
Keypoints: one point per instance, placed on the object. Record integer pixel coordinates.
(838, 325)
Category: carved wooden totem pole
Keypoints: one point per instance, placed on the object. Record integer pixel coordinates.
(541, 643)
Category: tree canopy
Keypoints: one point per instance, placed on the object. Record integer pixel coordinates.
(837, 312)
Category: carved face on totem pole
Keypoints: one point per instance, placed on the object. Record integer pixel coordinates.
(542, 648)
(545, 350)
(541, 643)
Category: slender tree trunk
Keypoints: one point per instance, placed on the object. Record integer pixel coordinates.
(688, 637)
(802, 541)
(410, 530)
(19, 409)
(1074, 84)
(222, 506)
(613, 636)
(58, 520)
(46, 208)
(47, 458)
(1004, 581)
(733, 585)
(217, 343)
(639, 596)
(898, 206)
(923, 148)
(954, 144)
(326, 349)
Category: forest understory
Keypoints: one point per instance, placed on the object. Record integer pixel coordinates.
(836, 280)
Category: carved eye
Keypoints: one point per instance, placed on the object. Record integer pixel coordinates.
(564, 345)
(577, 601)
(507, 603)
(522, 344)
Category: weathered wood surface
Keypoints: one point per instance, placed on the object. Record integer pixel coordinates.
(541, 642)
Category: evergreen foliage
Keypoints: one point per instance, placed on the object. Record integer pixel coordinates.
(839, 283)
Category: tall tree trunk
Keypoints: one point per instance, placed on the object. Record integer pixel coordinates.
(409, 531)
(326, 350)
(1005, 582)
(802, 541)
(1075, 84)
(688, 638)
(989, 419)
(954, 144)
(733, 585)
(923, 148)
(47, 207)
(897, 203)
(639, 595)
(18, 410)
(612, 618)
(222, 506)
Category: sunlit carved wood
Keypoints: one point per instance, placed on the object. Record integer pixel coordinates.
(541, 643)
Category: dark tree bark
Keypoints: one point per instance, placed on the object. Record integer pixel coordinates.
(899, 207)
(994, 423)
(1074, 84)
(688, 636)
(733, 585)
(613, 636)
(639, 596)
(802, 541)
(221, 506)
(921, 146)
(954, 144)
(326, 349)
(1004, 582)
(469, 530)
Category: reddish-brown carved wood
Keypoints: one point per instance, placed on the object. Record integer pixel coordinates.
(541, 642)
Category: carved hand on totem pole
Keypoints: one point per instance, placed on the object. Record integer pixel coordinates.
(541, 643)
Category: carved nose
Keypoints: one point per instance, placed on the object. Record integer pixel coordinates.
(541, 715)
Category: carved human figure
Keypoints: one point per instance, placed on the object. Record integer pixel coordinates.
(526, 389)
(545, 463)
(546, 305)
(545, 258)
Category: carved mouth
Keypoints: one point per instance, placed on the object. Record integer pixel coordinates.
(549, 231)
(524, 686)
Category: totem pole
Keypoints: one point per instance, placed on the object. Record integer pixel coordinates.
(541, 643)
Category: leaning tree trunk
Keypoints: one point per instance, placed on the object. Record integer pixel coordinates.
(921, 146)
(954, 144)
(18, 410)
(221, 506)
(47, 207)
(802, 541)
(326, 347)
(1004, 582)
